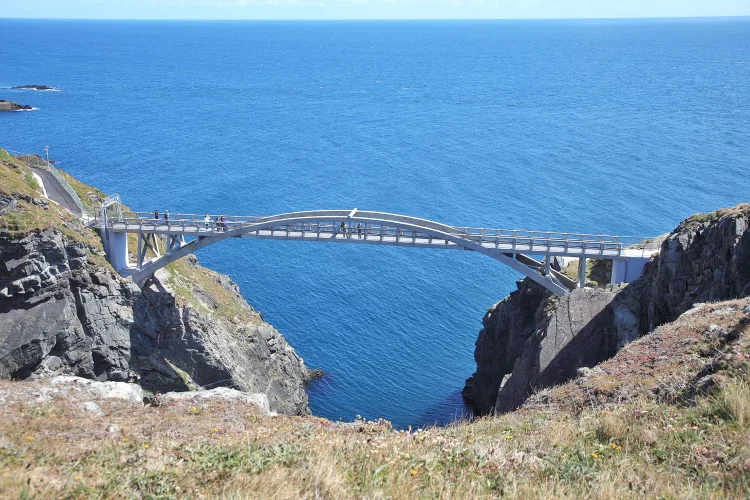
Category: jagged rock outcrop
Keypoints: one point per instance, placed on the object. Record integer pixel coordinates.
(13, 106)
(60, 313)
(705, 259)
(248, 354)
(533, 339)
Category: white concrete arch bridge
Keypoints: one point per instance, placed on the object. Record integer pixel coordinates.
(186, 233)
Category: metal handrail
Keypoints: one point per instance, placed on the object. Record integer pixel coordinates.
(500, 238)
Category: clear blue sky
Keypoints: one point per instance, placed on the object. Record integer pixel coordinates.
(369, 9)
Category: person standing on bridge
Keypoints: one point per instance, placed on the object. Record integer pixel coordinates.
(156, 215)
(359, 231)
(166, 216)
(207, 221)
(343, 228)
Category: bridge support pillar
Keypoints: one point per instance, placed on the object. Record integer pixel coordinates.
(116, 248)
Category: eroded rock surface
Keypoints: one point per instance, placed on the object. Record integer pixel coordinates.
(62, 314)
(533, 339)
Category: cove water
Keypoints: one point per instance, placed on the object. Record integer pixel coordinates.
(619, 127)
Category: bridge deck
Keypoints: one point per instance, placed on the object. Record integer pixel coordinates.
(402, 231)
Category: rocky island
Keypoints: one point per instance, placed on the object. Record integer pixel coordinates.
(33, 87)
(180, 389)
(13, 106)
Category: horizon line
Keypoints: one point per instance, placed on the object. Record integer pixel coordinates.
(358, 19)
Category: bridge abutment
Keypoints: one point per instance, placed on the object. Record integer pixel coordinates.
(116, 249)
(628, 269)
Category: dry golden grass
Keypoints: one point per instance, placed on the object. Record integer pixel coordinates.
(697, 447)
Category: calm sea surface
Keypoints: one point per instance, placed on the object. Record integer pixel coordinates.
(623, 127)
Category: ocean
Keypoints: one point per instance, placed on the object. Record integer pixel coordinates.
(621, 127)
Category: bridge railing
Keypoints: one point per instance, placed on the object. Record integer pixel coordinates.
(501, 239)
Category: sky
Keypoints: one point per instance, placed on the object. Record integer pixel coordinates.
(369, 9)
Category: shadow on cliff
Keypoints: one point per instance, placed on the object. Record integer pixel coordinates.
(155, 313)
(544, 362)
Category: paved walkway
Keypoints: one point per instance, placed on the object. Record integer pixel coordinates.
(55, 191)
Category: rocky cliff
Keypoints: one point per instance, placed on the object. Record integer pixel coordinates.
(63, 310)
(533, 339)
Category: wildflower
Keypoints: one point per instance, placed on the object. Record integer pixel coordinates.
(29, 438)
(215, 429)
(594, 456)
(146, 446)
(612, 445)
(508, 437)
(124, 440)
(618, 447)
(78, 477)
(414, 472)
(70, 420)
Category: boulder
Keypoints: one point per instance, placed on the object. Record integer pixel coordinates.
(220, 393)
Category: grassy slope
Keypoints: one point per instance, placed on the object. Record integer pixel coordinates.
(17, 181)
(608, 435)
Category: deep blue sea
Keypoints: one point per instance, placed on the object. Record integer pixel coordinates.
(620, 127)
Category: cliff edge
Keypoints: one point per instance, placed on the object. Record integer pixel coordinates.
(533, 339)
(65, 311)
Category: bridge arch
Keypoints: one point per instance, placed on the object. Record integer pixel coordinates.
(376, 228)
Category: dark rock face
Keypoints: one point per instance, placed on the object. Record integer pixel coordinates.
(506, 327)
(701, 261)
(251, 357)
(533, 339)
(60, 314)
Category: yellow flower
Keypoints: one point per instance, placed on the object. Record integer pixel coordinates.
(124, 440)
(594, 455)
(219, 438)
(612, 445)
(193, 408)
(508, 437)
(145, 446)
(30, 438)
(215, 429)
(414, 472)
(618, 448)
(78, 477)
(70, 420)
